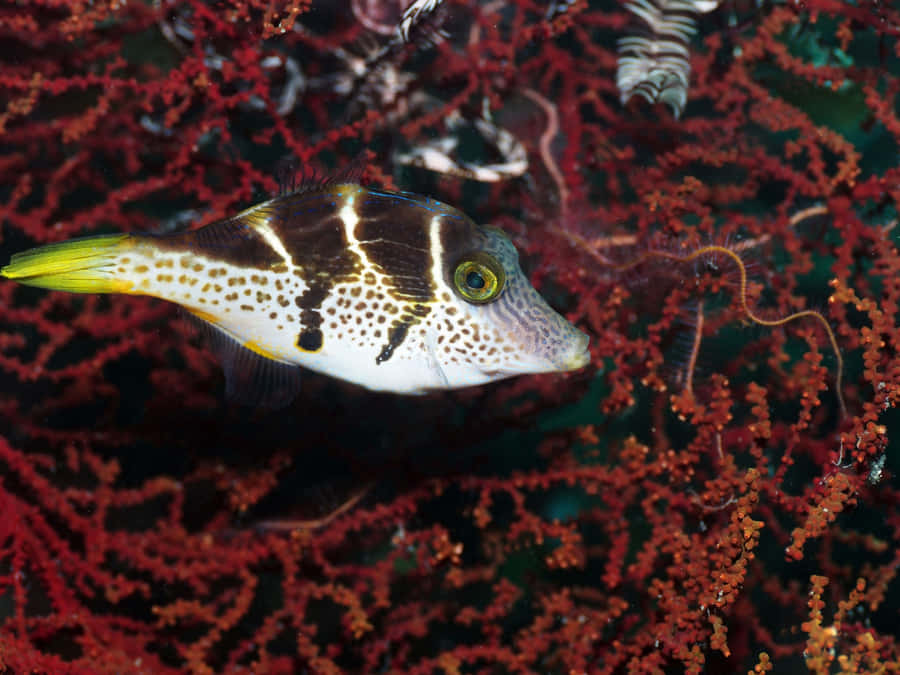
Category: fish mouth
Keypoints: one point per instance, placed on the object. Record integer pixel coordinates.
(573, 354)
(576, 361)
(576, 357)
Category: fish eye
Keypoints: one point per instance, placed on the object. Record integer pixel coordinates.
(479, 278)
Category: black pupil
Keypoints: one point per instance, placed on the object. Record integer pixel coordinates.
(474, 280)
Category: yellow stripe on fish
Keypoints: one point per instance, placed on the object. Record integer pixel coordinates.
(393, 291)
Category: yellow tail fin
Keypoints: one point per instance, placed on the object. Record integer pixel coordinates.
(78, 266)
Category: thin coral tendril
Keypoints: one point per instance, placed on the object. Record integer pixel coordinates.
(742, 293)
(617, 240)
(809, 212)
(287, 525)
(695, 351)
(796, 219)
(721, 506)
(544, 145)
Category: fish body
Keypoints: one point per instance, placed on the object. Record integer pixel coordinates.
(393, 291)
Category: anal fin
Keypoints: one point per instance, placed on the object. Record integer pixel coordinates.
(251, 378)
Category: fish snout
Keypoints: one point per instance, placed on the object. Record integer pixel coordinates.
(552, 345)
(573, 353)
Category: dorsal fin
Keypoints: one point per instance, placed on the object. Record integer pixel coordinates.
(236, 240)
(294, 178)
(251, 379)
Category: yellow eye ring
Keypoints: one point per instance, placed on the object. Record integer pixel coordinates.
(479, 278)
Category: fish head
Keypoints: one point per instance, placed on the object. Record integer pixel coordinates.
(490, 323)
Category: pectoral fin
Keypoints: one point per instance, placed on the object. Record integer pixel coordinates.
(252, 377)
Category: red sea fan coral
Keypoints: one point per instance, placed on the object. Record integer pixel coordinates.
(709, 512)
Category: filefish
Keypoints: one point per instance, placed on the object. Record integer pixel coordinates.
(393, 291)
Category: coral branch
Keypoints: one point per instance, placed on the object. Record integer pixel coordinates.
(606, 521)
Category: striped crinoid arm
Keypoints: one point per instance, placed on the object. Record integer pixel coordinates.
(655, 62)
